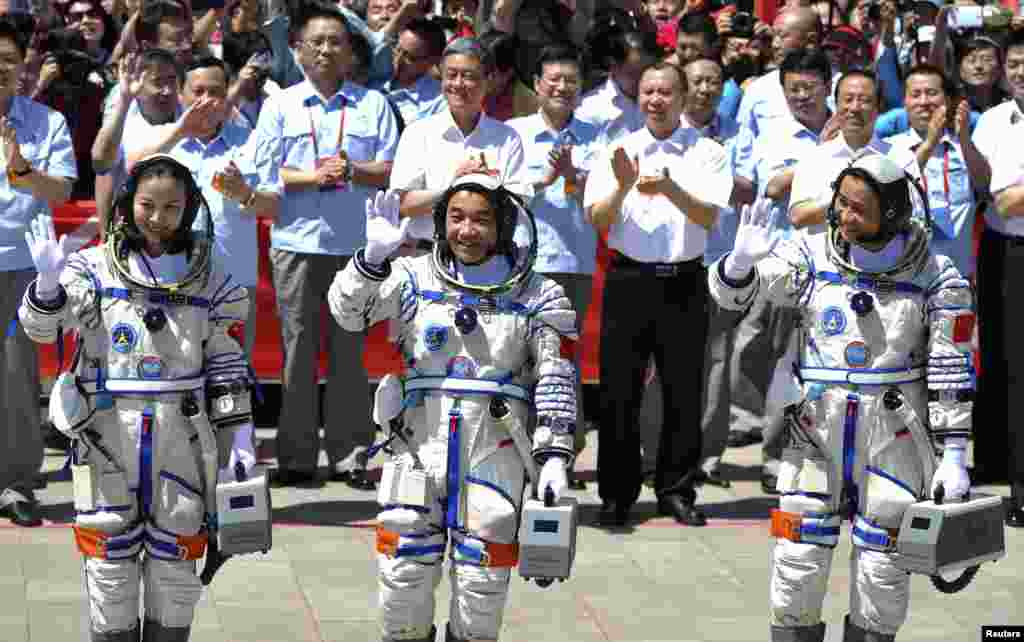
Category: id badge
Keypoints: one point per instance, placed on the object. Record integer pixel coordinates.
(339, 185)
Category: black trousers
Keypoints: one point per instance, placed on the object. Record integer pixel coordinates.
(990, 419)
(1013, 343)
(660, 311)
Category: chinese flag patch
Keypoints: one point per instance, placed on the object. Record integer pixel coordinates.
(237, 332)
(567, 349)
(963, 328)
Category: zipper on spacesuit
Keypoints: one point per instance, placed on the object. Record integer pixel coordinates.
(451, 518)
(848, 498)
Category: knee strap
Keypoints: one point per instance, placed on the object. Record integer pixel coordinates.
(165, 545)
(870, 535)
(390, 543)
(807, 528)
(478, 552)
(95, 543)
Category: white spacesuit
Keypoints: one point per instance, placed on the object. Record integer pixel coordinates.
(158, 341)
(884, 366)
(481, 344)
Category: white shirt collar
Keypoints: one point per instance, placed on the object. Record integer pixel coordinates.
(678, 141)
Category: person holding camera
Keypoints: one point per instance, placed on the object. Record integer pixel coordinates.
(39, 168)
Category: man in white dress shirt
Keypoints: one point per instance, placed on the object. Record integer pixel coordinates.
(657, 193)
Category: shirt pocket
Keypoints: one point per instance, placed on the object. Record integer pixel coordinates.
(360, 143)
(297, 145)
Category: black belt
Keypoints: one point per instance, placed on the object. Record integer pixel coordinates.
(621, 262)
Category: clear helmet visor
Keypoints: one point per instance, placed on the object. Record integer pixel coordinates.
(486, 239)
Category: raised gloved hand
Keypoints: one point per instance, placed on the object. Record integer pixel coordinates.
(242, 452)
(384, 231)
(552, 475)
(48, 254)
(952, 471)
(755, 239)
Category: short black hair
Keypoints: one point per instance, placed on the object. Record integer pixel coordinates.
(238, 48)
(157, 56)
(860, 73)
(318, 9)
(153, 12)
(1016, 39)
(699, 23)
(559, 52)
(925, 69)
(502, 48)
(806, 62)
(15, 32)
(362, 53)
(668, 66)
(206, 62)
(641, 41)
(431, 32)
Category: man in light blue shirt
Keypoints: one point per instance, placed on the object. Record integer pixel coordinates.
(39, 169)
(764, 336)
(951, 166)
(337, 143)
(412, 90)
(559, 150)
(216, 147)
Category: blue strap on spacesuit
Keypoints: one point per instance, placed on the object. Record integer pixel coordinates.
(850, 492)
(868, 283)
(145, 488)
(472, 300)
(451, 516)
(157, 298)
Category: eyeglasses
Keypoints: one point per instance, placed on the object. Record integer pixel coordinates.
(78, 16)
(570, 82)
(325, 44)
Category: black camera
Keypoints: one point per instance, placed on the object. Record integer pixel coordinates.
(743, 25)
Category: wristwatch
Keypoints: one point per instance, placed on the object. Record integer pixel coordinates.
(14, 176)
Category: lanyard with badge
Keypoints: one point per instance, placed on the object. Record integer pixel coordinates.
(940, 215)
(342, 183)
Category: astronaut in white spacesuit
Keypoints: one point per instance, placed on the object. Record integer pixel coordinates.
(157, 401)
(483, 338)
(884, 367)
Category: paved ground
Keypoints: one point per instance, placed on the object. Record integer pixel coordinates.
(652, 581)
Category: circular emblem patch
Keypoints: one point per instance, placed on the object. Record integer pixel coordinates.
(833, 321)
(122, 338)
(151, 367)
(857, 354)
(225, 404)
(461, 367)
(435, 336)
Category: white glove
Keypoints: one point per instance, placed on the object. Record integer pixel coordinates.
(952, 471)
(384, 231)
(755, 239)
(242, 450)
(48, 254)
(552, 475)
(387, 401)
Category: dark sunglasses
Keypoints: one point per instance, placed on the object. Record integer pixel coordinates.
(75, 16)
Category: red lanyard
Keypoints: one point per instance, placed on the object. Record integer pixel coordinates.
(341, 128)
(945, 174)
